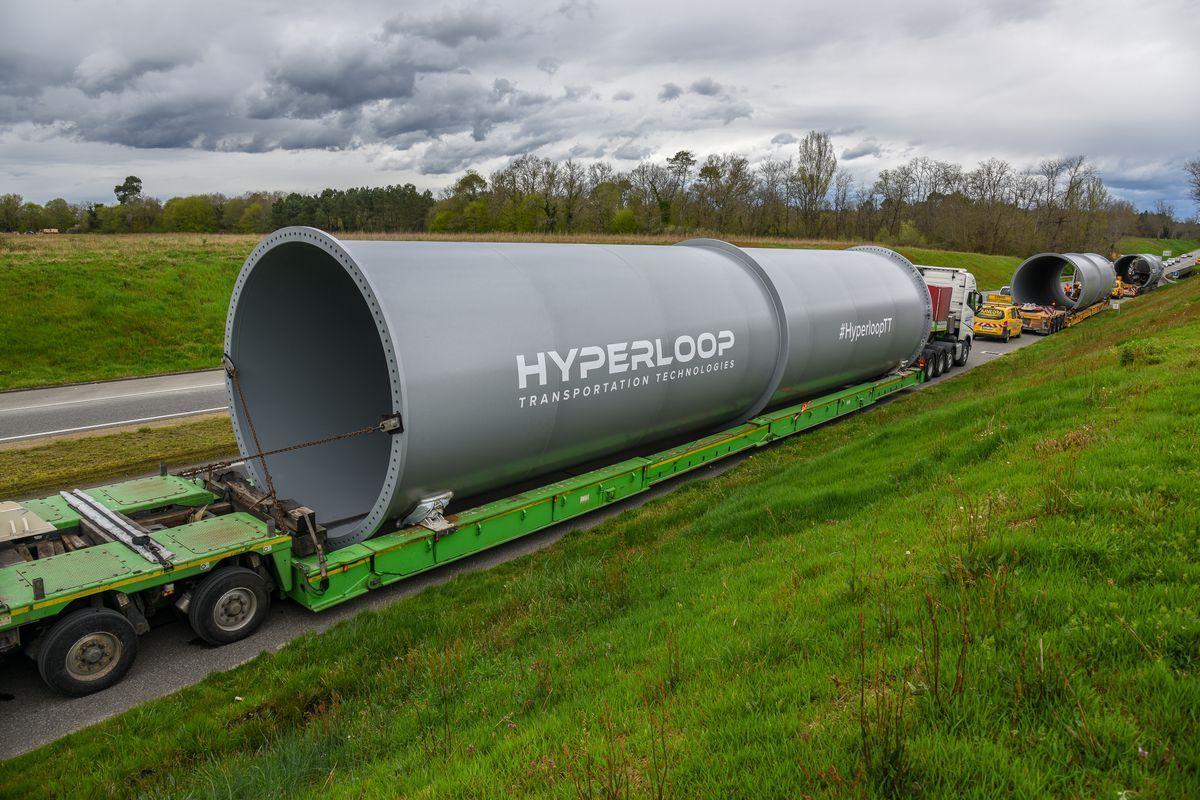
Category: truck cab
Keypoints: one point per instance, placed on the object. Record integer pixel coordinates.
(964, 300)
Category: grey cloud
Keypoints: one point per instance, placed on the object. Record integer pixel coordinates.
(622, 96)
(585, 151)
(109, 70)
(632, 152)
(455, 155)
(573, 8)
(867, 147)
(669, 92)
(783, 138)
(459, 105)
(727, 111)
(706, 86)
(575, 93)
(158, 123)
(549, 65)
(310, 82)
(451, 28)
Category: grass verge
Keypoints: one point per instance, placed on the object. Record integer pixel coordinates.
(965, 593)
(28, 469)
(1134, 244)
(95, 307)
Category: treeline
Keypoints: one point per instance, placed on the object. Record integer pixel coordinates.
(1061, 204)
(390, 208)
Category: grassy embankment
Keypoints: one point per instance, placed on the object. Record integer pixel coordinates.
(1133, 244)
(87, 308)
(35, 467)
(965, 593)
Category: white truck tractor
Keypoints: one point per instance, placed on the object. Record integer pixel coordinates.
(954, 340)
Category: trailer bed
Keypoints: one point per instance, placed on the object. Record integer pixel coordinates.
(35, 589)
(388, 558)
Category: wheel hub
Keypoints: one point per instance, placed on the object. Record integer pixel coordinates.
(235, 608)
(93, 656)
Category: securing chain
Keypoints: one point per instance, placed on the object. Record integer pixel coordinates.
(389, 424)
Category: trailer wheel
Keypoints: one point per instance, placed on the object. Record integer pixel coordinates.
(928, 366)
(229, 605)
(87, 650)
(947, 361)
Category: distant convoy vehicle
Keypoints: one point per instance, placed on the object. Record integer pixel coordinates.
(573, 377)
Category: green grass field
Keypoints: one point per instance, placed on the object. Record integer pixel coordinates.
(46, 466)
(965, 593)
(1133, 244)
(93, 307)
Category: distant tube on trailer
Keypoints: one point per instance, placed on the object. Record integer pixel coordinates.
(507, 362)
(1045, 279)
(1143, 270)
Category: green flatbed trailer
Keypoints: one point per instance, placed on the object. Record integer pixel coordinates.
(76, 603)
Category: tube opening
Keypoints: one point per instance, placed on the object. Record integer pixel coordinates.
(1134, 269)
(311, 364)
(1047, 280)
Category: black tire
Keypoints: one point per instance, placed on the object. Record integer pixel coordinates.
(936, 359)
(947, 361)
(963, 354)
(229, 605)
(1006, 335)
(928, 366)
(87, 650)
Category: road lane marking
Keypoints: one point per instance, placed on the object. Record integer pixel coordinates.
(112, 424)
(113, 397)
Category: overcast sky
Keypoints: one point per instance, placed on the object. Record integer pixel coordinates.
(221, 96)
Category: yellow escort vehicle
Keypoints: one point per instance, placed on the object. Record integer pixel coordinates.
(999, 321)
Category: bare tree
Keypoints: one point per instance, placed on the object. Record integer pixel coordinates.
(772, 175)
(1193, 172)
(815, 168)
(843, 193)
(573, 187)
(549, 179)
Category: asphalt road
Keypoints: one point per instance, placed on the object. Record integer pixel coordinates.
(170, 656)
(63, 410)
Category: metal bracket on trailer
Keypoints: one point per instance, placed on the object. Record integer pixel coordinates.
(118, 528)
(430, 514)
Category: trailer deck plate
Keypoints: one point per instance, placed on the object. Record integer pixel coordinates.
(213, 535)
(61, 574)
(70, 572)
(145, 494)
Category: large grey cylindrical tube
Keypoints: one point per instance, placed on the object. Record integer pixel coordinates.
(1143, 270)
(507, 361)
(1040, 279)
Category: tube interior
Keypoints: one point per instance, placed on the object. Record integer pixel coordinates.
(1134, 269)
(311, 364)
(1040, 280)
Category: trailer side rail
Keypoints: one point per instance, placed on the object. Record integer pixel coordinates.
(386, 559)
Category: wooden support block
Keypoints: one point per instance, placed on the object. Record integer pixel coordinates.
(74, 541)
